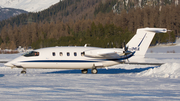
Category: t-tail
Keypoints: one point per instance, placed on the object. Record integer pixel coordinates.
(141, 41)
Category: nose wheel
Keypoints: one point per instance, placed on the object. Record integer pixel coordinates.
(23, 71)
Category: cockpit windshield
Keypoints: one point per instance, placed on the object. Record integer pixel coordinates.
(31, 53)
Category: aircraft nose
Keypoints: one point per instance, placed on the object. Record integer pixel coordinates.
(8, 65)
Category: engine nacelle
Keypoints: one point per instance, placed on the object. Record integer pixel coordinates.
(100, 53)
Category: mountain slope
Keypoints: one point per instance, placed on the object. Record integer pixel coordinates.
(28, 5)
(6, 13)
(131, 4)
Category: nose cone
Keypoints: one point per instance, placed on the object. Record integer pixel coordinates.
(8, 65)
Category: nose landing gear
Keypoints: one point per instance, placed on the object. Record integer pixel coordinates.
(23, 71)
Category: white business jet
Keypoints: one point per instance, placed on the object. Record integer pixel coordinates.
(85, 58)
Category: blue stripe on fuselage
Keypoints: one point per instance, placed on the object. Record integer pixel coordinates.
(59, 61)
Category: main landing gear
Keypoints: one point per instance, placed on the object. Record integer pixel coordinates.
(23, 71)
(93, 71)
(84, 71)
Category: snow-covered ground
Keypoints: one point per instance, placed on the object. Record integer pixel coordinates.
(118, 83)
(28, 5)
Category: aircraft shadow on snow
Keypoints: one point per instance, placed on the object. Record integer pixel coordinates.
(1, 75)
(103, 71)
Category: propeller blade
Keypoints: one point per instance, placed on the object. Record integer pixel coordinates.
(124, 46)
(128, 60)
(169, 30)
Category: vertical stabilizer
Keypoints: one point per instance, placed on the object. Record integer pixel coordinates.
(142, 39)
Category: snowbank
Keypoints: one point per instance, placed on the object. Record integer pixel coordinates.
(168, 70)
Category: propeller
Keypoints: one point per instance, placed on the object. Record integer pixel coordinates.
(126, 52)
(169, 30)
(125, 48)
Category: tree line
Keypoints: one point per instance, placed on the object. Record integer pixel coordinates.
(88, 21)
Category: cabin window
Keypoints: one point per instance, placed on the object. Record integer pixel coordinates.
(68, 54)
(31, 53)
(61, 54)
(75, 54)
(54, 54)
(82, 53)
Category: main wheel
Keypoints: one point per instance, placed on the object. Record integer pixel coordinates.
(94, 71)
(84, 71)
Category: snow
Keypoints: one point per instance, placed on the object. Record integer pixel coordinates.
(168, 70)
(8, 57)
(28, 5)
(119, 82)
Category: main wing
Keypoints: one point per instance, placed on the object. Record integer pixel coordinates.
(3, 61)
(138, 63)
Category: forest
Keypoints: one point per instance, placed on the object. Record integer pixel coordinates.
(79, 22)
